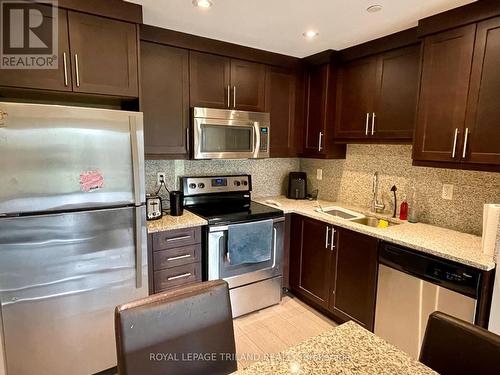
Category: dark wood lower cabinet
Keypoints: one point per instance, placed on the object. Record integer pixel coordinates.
(356, 265)
(335, 272)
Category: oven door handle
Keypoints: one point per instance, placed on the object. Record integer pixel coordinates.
(275, 243)
(256, 140)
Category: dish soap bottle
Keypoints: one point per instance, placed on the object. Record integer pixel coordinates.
(403, 210)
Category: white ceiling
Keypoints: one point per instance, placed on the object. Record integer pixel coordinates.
(277, 25)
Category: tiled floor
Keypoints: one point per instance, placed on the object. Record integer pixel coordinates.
(276, 328)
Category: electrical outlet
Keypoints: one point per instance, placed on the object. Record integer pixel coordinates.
(319, 174)
(447, 192)
(160, 177)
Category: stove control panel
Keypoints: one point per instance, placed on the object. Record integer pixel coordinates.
(216, 184)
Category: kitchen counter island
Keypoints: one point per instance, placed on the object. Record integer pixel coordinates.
(346, 349)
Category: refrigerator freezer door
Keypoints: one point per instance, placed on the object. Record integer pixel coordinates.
(61, 158)
(61, 277)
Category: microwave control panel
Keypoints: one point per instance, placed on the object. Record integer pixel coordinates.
(264, 139)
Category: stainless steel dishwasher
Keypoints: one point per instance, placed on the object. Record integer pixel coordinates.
(412, 285)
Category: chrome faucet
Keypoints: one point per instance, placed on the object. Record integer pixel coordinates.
(376, 206)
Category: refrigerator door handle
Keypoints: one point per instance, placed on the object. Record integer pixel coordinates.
(138, 247)
(135, 160)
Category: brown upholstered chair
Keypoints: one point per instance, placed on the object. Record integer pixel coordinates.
(453, 346)
(166, 333)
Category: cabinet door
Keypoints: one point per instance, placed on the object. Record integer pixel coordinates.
(316, 107)
(446, 68)
(396, 94)
(46, 79)
(104, 55)
(165, 100)
(310, 258)
(209, 80)
(355, 94)
(355, 277)
(248, 85)
(483, 111)
(280, 103)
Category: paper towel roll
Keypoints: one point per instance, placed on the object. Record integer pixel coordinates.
(491, 219)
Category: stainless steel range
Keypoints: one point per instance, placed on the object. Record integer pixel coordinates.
(243, 241)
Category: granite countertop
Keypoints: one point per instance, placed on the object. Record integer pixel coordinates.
(445, 243)
(168, 222)
(346, 349)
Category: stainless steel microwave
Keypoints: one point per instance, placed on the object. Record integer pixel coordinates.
(229, 134)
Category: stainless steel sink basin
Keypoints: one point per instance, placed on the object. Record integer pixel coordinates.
(340, 212)
(370, 221)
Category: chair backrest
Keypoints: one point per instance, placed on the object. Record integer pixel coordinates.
(186, 331)
(453, 346)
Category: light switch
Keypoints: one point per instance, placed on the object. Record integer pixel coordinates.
(319, 174)
(447, 192)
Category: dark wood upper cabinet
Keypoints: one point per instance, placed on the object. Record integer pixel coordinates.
(356, 266)
(377, 97)
(319, 112)
(248, 85)
(310, 258)
(482, 122)
(165, 100)
(104, 55)
(446, 69)
(398, 74)
(355, 96)
(47, 79)
(209, 80)
(221, 82)
(280, 103)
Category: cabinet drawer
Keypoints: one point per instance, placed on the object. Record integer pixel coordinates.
(176, 276)
(176, 257)
(176, 238)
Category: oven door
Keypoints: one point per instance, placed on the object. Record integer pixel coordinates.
(226, 139)
(243, 274)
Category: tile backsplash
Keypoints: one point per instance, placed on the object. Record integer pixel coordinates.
(350, 181)
(269, 176)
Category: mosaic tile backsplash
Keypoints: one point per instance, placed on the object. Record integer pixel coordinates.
(350, 181)
(269, 176)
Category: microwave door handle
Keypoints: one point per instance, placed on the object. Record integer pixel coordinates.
(257, 140)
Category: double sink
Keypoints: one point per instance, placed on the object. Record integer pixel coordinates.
(356, 217)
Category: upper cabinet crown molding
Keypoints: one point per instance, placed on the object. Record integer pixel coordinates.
(117, 9)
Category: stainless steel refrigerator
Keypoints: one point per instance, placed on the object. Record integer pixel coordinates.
(72, 234)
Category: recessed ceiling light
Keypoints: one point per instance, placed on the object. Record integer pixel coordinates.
(310, 34)
(205, 4)
(374, 8)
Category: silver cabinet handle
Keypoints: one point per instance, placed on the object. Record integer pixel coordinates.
(138, 247)
(228, 96)
(320, 141)
(234, 96)
(373, 123)
(466, 138)
(333, 239)
(327, 237)
(178, 238)
(367, 121)
(453, 153)
(187, 274)
(179, 257)
(77, 70)
(275, 246)
(65, 63)
(188, 146)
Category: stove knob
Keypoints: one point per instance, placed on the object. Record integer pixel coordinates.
(245, 183)
(192, 186)
(201, 185)
(237, 183)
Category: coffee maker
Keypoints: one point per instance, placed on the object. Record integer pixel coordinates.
(297, 185)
